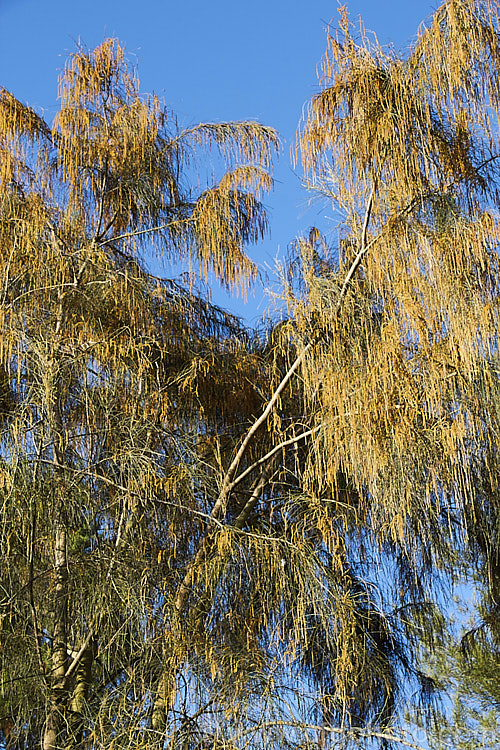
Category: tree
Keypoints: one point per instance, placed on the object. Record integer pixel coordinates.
(399, 332)
(106, 401)
(391, 359)
(163, 575)
(244, 537)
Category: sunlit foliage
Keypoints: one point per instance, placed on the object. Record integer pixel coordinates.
(218, 539)
(403, 373)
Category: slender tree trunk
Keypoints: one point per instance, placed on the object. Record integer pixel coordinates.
(59, 661)
(161, 707)
(81, 689)
(59, 648)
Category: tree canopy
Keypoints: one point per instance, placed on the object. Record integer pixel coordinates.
(214, 537)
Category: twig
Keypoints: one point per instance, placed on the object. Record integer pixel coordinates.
(126, 235)
(363, 250)
(352, 733)
(271, 453)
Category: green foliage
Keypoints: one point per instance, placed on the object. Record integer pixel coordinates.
(466, 668)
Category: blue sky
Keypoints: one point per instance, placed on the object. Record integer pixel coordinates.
(210, 61)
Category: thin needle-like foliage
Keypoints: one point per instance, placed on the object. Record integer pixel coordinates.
(408, 362)
(218, 539)
(115, 385)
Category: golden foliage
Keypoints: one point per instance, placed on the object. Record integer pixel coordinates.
(403, 377)
(205, 510)
(113, 163)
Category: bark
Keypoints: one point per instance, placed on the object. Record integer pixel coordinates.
(161, 708)
(83, 676)
(59, 648)
(57, 705)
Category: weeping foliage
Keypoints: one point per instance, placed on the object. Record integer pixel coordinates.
(219, 539)
(399, 327)
(116, 166)
(114, 387)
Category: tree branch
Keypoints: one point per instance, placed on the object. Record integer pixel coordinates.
(363, 250)
(354, 734)
(228, 479)
(272, 452)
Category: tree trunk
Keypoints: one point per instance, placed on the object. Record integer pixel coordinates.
(160, 708)
(59, 647)
(83, 675)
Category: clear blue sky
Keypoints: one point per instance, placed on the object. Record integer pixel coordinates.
(210, 61)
